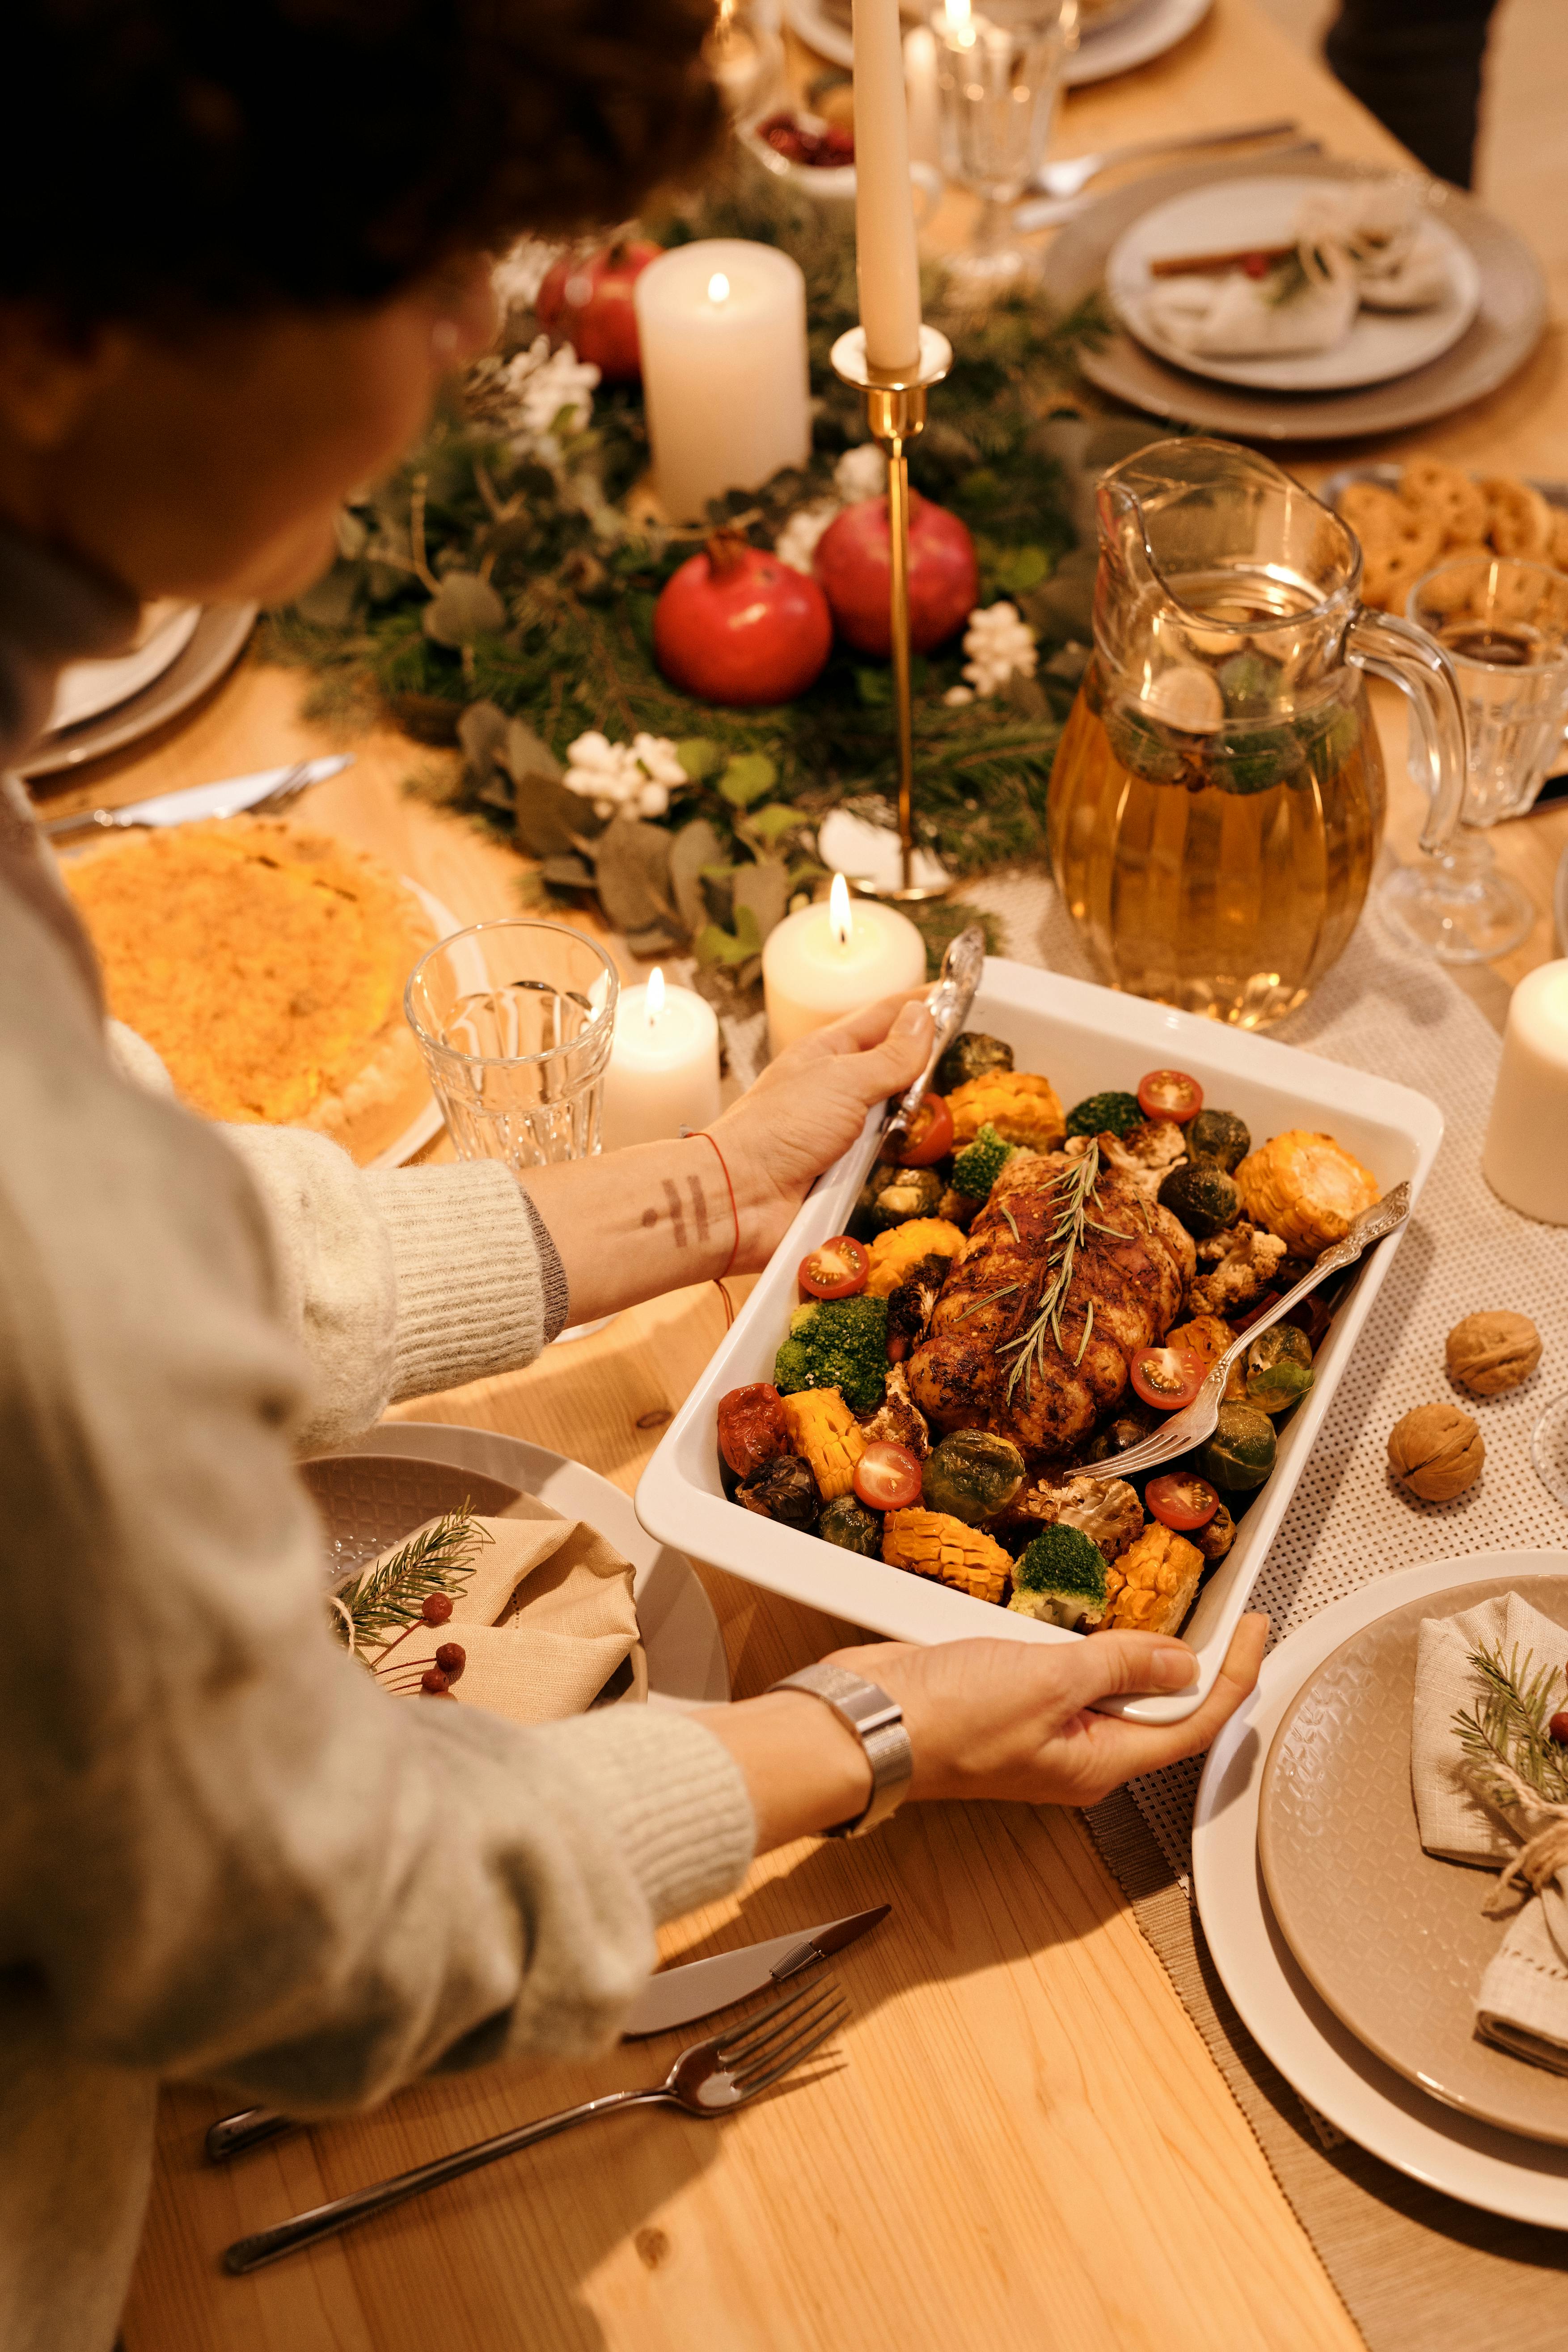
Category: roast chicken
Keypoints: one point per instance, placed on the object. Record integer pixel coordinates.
(1133, 1273)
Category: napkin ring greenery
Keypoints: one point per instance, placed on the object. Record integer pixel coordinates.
(1515, 1761)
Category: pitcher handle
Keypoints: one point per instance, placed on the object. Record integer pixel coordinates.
(1414, 662)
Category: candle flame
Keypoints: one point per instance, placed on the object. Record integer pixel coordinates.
(653, 1003)
(838, 913)
(959, 19)
(718, 287)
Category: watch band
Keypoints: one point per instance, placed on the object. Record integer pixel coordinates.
(878, 1722)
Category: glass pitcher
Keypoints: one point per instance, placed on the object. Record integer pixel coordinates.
(1217, 799)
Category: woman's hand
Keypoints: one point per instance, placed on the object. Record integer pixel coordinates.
(808, 1107)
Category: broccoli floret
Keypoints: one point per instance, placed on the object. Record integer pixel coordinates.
(1061, 1578)
(980, 1163)
(837, 1343)
(1108, 1113)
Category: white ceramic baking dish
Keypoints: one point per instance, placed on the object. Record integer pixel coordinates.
(1084, 1039)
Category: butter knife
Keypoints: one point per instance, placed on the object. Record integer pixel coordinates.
(674, 1997)
(949, 1005)
(227, 798)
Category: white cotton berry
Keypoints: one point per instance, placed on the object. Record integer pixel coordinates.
(659, 759)
(653, 800)
(958, 696)
(796, 542)
(1000, 644)
(861, 473)
(520, 273)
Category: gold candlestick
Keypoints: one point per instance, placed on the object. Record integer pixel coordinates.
(896, 415)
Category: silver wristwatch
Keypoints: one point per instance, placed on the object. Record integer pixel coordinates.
(878, 1722)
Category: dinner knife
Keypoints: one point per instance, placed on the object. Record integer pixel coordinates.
(674, 1997)
(227, 798)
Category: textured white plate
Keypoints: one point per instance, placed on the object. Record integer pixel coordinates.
(1130, 40)
(1229, 213)
(1475, 2161)
(429, 1123)
(85, 690)
(686, 1662)
(1083, 1038)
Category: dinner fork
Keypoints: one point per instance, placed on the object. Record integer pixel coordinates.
(710, 2079)
(205, 800)
(1073, 174)
(1198, 1420)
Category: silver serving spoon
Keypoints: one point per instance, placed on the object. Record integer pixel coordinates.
(949, 1005)
(1198, 1420)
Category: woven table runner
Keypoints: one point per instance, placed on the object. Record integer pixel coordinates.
(1418, 2271)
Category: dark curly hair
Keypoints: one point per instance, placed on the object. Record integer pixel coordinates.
(166, 158)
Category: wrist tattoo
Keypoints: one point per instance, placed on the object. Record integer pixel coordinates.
(677, 1212)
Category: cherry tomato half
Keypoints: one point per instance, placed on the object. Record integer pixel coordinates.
(1168, 1377)
(888, 1477)
(1181, 1501)
(835, 1269)
(929, 1136)
(1170, 1094)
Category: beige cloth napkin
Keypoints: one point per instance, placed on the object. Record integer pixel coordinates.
(547, 1620)
(1522, 2001)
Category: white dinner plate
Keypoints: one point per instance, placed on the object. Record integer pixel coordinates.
(429, 1123)
(686, 1661)
(1379, 2109)
(1132, 37)
(85, 690)
(1228, 213)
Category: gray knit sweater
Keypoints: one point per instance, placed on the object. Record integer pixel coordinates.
(225, 1854)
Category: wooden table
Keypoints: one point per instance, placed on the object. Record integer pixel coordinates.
(1025, 2143)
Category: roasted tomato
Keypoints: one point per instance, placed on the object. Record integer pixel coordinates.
(1168, 1377)
(751, 1427)
(835, 1269)
(1170, 1094)
(1179, 1500)
(888, 1477)
(929, 1135)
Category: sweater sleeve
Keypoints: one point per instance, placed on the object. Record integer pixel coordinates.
(225, 1851)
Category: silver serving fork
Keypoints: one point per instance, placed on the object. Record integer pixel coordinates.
(948, 1005)
(1197, 1421)
(710, 2079)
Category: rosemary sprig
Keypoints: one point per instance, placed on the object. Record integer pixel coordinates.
(389, 1596)
(990, 1298)
(1075, 1188)
(1012, 1220)
(1083, 1343)
(1508, 1725)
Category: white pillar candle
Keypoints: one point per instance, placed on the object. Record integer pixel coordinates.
(832, 959)
(664, 1065)
(887, 265)
(924, 97)
(1525, 1157)
(722, 324)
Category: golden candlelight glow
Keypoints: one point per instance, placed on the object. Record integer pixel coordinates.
(838, 914)
(653, 1004)
(718, 287)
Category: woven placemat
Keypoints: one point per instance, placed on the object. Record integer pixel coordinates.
(1418, 2270)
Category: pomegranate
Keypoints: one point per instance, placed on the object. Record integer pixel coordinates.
(736, 625)
(587, 300)
(854, 564)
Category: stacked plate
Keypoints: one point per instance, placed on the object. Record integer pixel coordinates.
(102, 706)
(1352, 1956)
(1392, 370)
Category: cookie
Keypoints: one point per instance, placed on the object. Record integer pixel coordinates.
(1457, 503)
(1519, 520)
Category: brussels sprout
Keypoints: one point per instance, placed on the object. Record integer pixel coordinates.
(1219, 1135)
(972, 1476)
(1240, 1453)
(1203, 1196)
(1106, 1114)
(970, 1055)
(907, 1193)
(1278, 1368)
(848, 1524)
(1129, 1428)
(783, 1489)
(1214, 1540)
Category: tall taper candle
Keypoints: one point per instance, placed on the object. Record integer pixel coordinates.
(886, 262)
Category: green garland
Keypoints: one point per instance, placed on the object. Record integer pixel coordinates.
(507, 603)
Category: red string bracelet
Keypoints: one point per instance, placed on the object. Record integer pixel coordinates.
(700, 1135)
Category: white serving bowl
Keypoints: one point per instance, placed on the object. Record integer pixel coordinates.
(1084, 1039)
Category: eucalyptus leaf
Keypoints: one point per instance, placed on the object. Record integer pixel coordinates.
(331, 602)
(771, 823)
(464, 607)
(694, 848)
(551, 822)
(699, 757)
(747, 777)
(761, 891)
(660, 938)
(482, 731)
(633, 864)
(568, 872)
(737, 947)
(525, 754)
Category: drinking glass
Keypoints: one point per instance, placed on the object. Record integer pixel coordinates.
(1503, 625)
(999, 67)
(515, 1021)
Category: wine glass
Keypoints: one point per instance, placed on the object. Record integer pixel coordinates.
(999, 67)
(1503, 627)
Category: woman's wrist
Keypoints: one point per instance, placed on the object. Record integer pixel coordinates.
(805, 1768)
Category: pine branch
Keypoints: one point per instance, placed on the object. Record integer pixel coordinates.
(1509, 1727)
(389, 1596)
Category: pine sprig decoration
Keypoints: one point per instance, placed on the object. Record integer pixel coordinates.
(1508, 1727)
(1075, 1189)
(389, 1595)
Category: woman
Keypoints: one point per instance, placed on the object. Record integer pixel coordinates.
(242, 245)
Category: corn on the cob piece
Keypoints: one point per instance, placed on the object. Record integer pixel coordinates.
(1022, 1107)
(825, 1434)
(1161, 1572)
(902, 1246)
(931, 1543)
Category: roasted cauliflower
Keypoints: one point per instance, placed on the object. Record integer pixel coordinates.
(1238, 1267)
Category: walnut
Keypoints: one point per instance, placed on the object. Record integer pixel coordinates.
(1438, 1451)
(1489, 1353)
